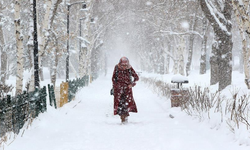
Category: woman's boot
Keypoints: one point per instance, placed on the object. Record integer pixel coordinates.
(123, 118)
(126, 119)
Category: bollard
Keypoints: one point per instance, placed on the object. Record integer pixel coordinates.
(43, 102)
(64, 88)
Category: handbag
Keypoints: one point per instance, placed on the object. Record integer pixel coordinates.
(112, 91)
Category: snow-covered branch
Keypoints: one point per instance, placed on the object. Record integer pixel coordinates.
(179, 33)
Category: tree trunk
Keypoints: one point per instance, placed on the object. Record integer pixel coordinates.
(244, 26)
(191, 40)
(243, 14)
(44, 36)
(40, 61)
(204, 48)
(176, 61)
(221, 23)
(82, 62)
(19, 48)
(3, 52)
(87, 33)
(55, 67)
(190, 54)
(55, 61)
(246, 58)
(214, 73)
(161, 61)
(53, 14)
(30, 45)
(241, 63)
(168, 57)
(46, 27)
(3, 66)
(181, 56)
(225, 59)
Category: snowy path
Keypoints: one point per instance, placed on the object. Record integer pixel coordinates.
(88, 123)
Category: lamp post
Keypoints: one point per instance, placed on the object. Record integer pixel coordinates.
(67, 58)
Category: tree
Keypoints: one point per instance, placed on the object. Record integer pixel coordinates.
(181, 49)
(54, 59)
(204, 46)
(30, 46)
(168, 47)
(87, 50)
(19, 48)
(193, 25)
(2, 50)
(44, 35)
(219, 16)
(240, 11)
(48, 19)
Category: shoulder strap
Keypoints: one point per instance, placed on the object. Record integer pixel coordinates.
(116, 73)
(130, 74)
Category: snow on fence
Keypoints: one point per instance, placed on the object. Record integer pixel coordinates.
(15, 111)
(69, 89)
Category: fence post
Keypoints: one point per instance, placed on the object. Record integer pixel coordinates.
(70, 91)
(53, 96)
(37, 102)
(15, 115)
(82, 81)
(32, 104)
(43, 103)
(2, 117)
(25, 107)
(50, 98)
(19, 111)
(64, 88)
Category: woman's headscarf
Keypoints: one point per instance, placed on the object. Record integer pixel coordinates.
(124, 61)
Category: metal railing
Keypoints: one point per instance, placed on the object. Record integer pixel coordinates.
(15, 111)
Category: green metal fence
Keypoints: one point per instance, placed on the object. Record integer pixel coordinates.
(15, 111)
(75, 85)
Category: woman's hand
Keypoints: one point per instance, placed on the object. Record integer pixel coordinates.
(132, 85)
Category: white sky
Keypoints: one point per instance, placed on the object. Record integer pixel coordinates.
(88, 123)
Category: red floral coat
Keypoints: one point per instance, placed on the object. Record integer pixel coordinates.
(121, 80)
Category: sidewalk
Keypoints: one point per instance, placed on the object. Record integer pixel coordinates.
(88, 123)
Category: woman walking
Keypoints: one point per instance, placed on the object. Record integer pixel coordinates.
(123, 79)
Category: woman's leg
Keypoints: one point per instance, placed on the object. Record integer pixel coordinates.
(122, 109)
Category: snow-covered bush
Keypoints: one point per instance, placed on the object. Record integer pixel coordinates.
(215, 107)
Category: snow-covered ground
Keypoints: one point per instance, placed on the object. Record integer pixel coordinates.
(88, 123)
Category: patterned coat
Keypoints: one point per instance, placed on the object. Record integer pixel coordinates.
(121, 80)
